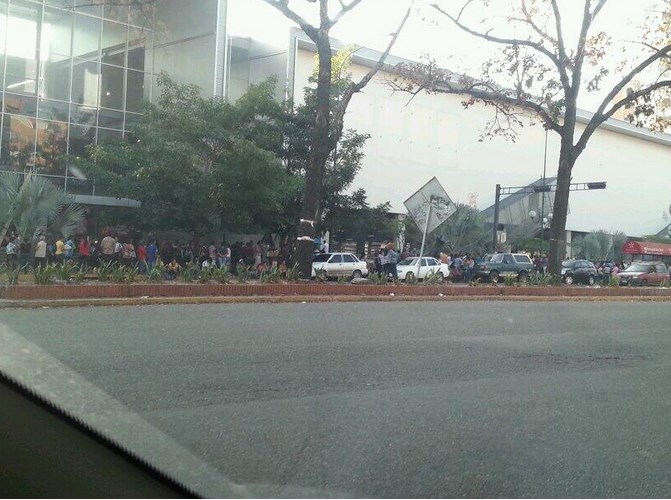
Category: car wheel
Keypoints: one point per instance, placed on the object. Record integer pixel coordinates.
(410, 277)
(522, 277)
(494, 277)
(357, 275)
(568, 279)
(590, 280)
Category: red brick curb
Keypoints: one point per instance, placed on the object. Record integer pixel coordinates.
(138, 290)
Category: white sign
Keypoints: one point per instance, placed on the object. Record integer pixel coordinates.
(442, 208)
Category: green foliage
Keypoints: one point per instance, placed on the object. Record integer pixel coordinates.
(293, 274)
(205, 275)
(411, 278)
(433, 278)
(118, 274)
(272, 276)
(13, 275)
(79, 277)
(466, 231)
(131, 273)
(377, 279)
(510, 280)
(105, 271)
(33, 205)
(65, 271)
(614, 281)
(475, 282)
(222, 275)
(189, 273)
(156, 274)
(343, 280)
(543, 279)
(243, 274)
(600, 245)
(44, 275)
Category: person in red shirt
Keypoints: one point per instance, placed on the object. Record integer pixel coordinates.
(84, 252)
(141, 252)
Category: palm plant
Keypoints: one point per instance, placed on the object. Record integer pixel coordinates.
(32, 204)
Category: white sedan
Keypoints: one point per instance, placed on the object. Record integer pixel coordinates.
(329, 265)
(407, 269)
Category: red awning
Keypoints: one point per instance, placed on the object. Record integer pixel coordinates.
(646, 248)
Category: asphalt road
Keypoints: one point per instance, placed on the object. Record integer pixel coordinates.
(472, 399)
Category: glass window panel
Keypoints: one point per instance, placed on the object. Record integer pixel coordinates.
(86, 7)
(136, 58)
(135, 91)
(86, 40)
(3, 37)
(116, 12)
(111, 87)
(80, 137)
(63, 4)
(56, 37)
(21, 47)
(83, 115)
(85, 82)
(114, 42)
(53, 110)
(115, 58)
(110, 119)
(132, 119)
(55, 77)
(18, 142)
(142, 14)
(20, 104)
(52, 140)
(106, 135)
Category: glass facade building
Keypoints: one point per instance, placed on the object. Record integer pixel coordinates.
(72, 74)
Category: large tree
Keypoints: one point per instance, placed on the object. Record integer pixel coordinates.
(536, 72)
(328, 120)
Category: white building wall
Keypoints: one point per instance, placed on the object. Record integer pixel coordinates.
(413, 140)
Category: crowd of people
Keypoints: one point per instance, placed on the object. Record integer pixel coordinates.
(145, 254)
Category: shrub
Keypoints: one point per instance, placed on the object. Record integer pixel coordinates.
(222, 275)
(510, 280)
(118, 274)
(105, 271)
(156, 274)
(539, 279)
(13, 275)
(243, 273)
(433, 278)
(293, 274)
(131, 274)
(189, 273)
(663, 284)
(342, 280)
(272, 276)
(44, 275)
(65, 271)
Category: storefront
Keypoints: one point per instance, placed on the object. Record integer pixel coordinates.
(645, 250)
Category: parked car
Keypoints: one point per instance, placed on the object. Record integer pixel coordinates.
(407, 268)
(330, 265)
(505, 264)
(578, 271)
(644, 273)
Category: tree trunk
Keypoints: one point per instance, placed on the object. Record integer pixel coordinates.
(560, 209)
(319, 153)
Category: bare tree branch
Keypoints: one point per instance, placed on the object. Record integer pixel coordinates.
(345, 8)
(528, 19)
(601, 117)
(356, 87)
(283, 7)
(561, 48)
(504, 41)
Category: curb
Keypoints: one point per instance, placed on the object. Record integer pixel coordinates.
(276, 299)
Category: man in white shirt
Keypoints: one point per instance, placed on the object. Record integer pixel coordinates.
(41, 252)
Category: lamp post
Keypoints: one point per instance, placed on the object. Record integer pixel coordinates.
(544, 221)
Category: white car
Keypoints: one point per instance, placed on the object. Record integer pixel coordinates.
(407, 269)
(330, 265)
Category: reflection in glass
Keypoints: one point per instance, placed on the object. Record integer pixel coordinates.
(51, 146)
(21, 47)
(3, 33)
(56, 36)
(139, 48)
(83, 115)
(105, 135)
(111, 88)
(55, 77)
(20, 104)
(114, 40)
(85, 80)
(110, 119)
(53, 110)
(80, 137)
(116, 11)
(86, 41)
(135, 92)
(88, 7)
(132, 119)
(18, 142)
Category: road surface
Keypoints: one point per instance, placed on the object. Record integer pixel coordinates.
(454, 399)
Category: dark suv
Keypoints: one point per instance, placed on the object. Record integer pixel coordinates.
(578, 271)
(505, 264)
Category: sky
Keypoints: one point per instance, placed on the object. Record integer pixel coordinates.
(429, 33)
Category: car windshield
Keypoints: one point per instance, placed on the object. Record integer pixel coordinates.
(322, 257)
(638, 268)
(408, 262)
(568, 263)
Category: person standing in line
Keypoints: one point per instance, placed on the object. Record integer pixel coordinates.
(384, 260)
(60, 250)
(69, 249)
(41, 252)
(11, 249)
(392, 257)
(152, 255)
(128, 254)
(84, 252)
(107, 246)
(212, 254)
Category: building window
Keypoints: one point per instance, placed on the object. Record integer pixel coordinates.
(21, 47)
(18, 142)
(52, 141)
(111, 87)
(85, 82)
(86, 40)
(110, 119)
